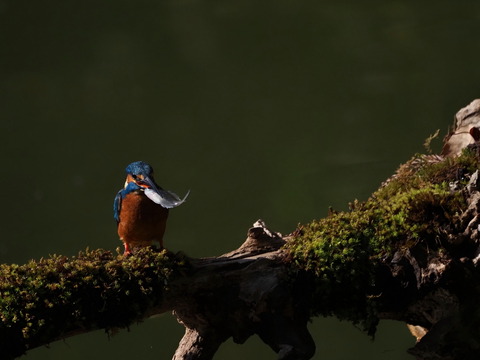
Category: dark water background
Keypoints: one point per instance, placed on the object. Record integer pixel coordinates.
(272, 110)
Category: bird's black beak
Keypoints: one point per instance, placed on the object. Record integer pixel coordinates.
(149, 183)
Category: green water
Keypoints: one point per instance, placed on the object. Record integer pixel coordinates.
(272, 110)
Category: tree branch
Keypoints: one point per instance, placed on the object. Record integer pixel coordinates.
(410, 253)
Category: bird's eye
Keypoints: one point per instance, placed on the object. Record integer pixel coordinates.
(134, 177)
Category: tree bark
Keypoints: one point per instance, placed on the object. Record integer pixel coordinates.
(410, 253)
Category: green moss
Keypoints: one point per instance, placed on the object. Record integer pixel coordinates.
(343, 250)
(43, 300)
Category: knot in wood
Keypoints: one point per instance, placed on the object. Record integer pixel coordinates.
(260, 232)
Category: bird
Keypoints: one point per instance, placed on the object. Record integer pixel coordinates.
(141, 208)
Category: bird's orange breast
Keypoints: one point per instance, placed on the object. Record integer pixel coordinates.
(142, 221)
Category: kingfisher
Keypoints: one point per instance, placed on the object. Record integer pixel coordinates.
(141, 208)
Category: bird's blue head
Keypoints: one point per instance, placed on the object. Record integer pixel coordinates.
(139, 168)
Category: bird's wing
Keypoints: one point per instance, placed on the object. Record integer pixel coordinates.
(117, 205)
(165, 198)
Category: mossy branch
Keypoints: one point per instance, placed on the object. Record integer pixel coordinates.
(53, 298)
(410, 253)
